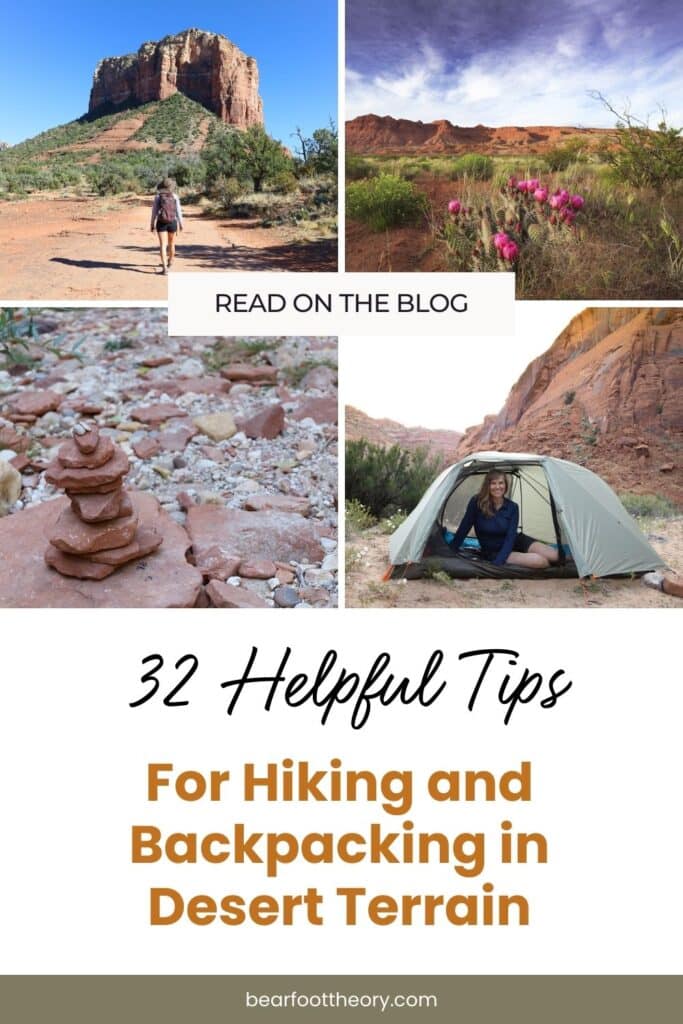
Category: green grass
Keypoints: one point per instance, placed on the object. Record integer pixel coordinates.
(235, 350)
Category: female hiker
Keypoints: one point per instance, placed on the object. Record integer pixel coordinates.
(167, 219)
(495, 520)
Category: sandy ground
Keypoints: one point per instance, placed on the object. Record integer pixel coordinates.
(367, 559)
(102, 248)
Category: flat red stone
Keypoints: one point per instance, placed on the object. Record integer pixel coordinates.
(144, 542)
(98, 508)
(79, 568)
(88, 479)
(156, 414)
(73, 456)
(72, 535)
(87, 443)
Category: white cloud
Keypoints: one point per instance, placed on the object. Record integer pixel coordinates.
(519, 88)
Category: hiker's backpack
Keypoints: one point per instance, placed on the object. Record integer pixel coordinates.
(167, 208)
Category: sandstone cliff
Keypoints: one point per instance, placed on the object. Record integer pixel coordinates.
(385, 432)
(370, 134)
(608, 392)
(206, 67)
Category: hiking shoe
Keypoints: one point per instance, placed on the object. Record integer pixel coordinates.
(164, 271)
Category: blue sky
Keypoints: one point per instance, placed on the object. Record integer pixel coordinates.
(51, 52)
(499, 62)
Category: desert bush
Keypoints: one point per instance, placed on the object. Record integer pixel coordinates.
(569, 397)
(357, 168)
(645, 157)
(570, 152)
(282, 183)
(391, 523)
(357, 516)
(651, 506)
(109, 180)
(249, 155)
(227, 191)
(188, 171)
(176, 119)
(385, 480)
(385, 202)
(318, 154)
(473, 165)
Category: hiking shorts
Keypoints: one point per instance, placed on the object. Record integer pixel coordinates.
(523, 542)
(167, 225)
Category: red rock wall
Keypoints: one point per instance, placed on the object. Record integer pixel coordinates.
(370, 134)
(206, 67)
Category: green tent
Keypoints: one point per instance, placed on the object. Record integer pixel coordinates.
(560, 503)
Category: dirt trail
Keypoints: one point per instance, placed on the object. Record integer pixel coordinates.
(102, 248)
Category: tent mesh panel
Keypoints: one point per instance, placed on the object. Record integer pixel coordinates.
(527, 486)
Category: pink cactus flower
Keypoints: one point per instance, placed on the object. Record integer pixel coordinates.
(540, 195)
(568, 216)
(577, 202)
(532, 184)
(512, 181)
(510, 252)
(556, 202)
(564, 195)
(522, 186)
(501, 239)
(454, 206)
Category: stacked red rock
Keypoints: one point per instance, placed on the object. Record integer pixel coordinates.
(99, 531)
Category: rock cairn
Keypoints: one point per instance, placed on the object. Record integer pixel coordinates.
(99, 531)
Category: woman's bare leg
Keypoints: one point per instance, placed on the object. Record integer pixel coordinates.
(171, 247)
(161, 235)
(529, 559)
(539, 548)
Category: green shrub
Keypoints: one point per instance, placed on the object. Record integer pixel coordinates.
(108, 180)
(651, 506)
(358, 168)
(645, 157)
(386, 480)
(251, 155)
(357, 515)
(282, 183)
(385, 202)
(570, 152)
(473, 165)
(569, 397)
(391, 523)
(176, 119)
(227, 191)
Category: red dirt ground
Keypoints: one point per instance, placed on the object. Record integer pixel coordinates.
(102, 248)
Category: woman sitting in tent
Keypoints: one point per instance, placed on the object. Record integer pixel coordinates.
(495, 520)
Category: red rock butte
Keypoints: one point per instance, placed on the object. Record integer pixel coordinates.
(203, 66)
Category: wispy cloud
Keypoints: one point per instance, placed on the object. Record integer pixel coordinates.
(472, 62)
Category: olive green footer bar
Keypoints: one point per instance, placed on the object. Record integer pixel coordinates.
(475, 999)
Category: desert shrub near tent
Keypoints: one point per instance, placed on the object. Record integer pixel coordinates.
(385, 480)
